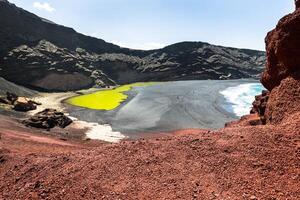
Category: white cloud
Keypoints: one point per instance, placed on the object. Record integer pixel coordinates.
(153, 45)
(138, 46)
(142, 46)
(43, 6)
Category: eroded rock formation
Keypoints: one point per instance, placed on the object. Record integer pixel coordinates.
(260, 104)
(297, 2)
(283, 52)
(282, 74)
(21, 104)
(47, 119)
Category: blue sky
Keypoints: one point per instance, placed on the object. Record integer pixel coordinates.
(147, 24)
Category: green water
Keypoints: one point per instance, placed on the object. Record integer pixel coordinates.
(105, 100)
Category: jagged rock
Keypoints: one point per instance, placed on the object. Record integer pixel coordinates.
(47, 119)
(283, 52)
(297, 3)
(4, 100)
(282, 74)
(260, 104)
(23, 104)
(11, 97)
(284, 101)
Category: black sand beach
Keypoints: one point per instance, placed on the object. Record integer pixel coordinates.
(166, 107)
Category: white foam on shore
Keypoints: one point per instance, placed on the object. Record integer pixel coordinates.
(95, 131)
(241, 97)
(99, 132)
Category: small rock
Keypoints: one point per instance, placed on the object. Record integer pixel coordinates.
(4, 100)
(11, 97)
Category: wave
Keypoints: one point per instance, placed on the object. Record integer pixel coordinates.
(239, 99)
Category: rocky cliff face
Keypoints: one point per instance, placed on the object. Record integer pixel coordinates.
(282, 74)
(43, 55)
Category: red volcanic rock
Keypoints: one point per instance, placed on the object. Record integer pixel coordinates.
(283, 52)
(247, 120)
(297, 2)
(284, 101)
(260, 104)
(282, 74)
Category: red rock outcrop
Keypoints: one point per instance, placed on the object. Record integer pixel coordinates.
(297, 2)
(284, 101)
(260, 104)
(282, 73)
(283, 52)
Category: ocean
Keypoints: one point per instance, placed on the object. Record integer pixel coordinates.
(239, 98)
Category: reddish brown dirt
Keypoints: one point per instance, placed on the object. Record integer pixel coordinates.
(261, 162)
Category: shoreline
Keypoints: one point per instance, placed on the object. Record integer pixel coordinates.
(113, 126)
(147, 113)
(91, 130)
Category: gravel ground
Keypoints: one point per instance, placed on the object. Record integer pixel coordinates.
(238, 162)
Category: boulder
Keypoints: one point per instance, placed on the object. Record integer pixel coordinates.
(23, 104)
(4, 100)
(11, 97)
(260, 104)
(47, 119)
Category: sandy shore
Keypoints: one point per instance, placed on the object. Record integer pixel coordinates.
(163, 107)
(51, 100)
(102, 132)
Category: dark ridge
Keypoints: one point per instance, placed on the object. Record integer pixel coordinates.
(35, 51)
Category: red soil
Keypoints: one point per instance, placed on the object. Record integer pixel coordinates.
(251, 162)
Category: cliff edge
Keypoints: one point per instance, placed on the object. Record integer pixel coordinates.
(282, 73)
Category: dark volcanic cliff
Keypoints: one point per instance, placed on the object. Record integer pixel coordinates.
(43, 55)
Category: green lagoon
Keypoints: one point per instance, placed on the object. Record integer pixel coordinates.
(106, 99)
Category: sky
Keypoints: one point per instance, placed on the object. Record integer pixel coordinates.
(151, 24)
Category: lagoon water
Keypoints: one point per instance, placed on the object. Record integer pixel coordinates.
(176, 105)
(106, 99)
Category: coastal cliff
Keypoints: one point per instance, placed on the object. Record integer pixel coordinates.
(242, 161)
(282, 73)
(36, 53)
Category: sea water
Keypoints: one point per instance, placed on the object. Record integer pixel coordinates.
(240, 98)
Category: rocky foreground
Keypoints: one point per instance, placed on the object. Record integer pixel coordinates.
(248, 162)
(242, 161)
